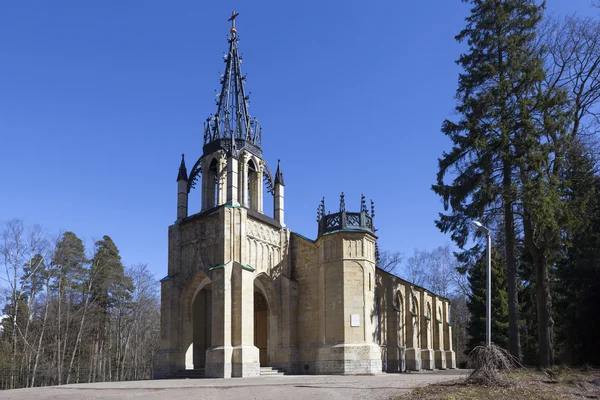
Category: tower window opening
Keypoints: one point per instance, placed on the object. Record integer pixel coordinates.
(253, 182)
(213, 184)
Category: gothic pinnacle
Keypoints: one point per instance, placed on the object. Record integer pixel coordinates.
(279, 174)
(182, 175)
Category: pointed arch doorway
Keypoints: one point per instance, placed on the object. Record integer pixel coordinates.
(201, 326)
(261, 326)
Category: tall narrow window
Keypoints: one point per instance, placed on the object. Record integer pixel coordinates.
(253, 182)
(213, 184)
(400, 305)
(377, 317)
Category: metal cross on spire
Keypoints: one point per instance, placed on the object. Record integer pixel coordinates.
(232, 20)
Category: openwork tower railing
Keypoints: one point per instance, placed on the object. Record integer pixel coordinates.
(346, 220)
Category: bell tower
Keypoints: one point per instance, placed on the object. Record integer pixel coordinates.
(228, 252)
(231, 168)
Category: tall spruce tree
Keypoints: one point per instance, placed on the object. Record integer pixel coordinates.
(577, 275)
(498, 75)
(541, 146)
(477, 301)
(111, 284)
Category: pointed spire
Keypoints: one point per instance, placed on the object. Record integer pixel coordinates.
(342, 203)
(279, 174)
(232, 119)
(182, 175)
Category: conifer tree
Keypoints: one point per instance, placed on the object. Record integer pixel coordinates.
(69, 263)
(477, 301)
(577, 275)
(499, 75)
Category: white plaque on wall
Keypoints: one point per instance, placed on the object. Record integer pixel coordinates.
(354, 320)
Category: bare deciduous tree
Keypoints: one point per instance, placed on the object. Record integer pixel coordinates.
(570, 47)
(390, 261)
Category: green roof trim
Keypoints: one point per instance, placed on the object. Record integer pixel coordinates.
(220, 266)
(303, 237)
(249, 267)
(168, 278)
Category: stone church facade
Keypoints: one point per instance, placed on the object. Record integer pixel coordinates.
(244, 291)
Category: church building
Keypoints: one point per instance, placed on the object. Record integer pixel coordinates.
(244, 292)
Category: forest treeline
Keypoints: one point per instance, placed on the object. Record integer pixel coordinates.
(524, 162)
(69, 316)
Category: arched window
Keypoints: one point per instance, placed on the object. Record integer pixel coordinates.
(253, 182)
(400, 308)
(212, 185)
(416, 322)
(429, 327)
(377, 317)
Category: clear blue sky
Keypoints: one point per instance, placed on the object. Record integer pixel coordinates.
(98, 99)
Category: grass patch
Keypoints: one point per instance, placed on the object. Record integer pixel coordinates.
(556, 383)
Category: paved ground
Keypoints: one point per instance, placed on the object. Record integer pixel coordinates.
(384, 386)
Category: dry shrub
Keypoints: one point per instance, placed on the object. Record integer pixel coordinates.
(489, 363)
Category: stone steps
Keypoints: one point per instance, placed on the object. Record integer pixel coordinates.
(270, 371)
(189, 374)
(199, 373)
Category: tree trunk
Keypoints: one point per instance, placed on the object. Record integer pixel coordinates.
(78, 340)
(58, 341)
(39, 349)
(544, 313)
(543, 298)
(514, 337)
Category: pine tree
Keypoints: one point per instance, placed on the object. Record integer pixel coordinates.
(499, 73)
(111, 287)
(477, 303)
(69, 268)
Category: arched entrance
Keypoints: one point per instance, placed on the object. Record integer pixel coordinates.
(201, 325)
(261, 326)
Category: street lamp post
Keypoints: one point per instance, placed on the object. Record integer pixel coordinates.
(488, 306)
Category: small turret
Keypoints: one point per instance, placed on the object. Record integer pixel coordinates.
(182, 190)
(345, 220)
(279, 195)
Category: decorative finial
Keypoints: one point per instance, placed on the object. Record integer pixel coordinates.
(182, 175)
(373, 216)
(279, 174)
(372, 209)
(342, 203)
(323, 207)
(232, 20)
(363, 204)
